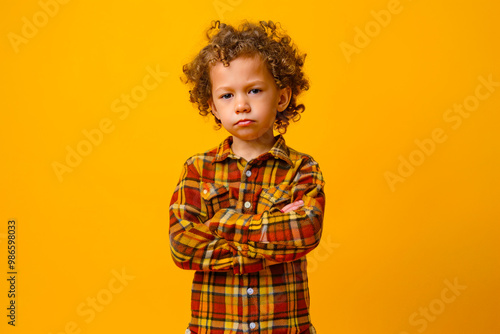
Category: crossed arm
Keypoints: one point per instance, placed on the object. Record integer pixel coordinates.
(287, 208)
(245, 242)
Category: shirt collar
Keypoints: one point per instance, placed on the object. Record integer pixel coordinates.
(279, 151)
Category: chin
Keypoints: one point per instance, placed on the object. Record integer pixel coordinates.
(246, 137)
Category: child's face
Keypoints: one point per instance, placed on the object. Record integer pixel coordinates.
(245, 97)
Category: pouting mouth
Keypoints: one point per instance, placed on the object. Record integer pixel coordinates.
(244, 120)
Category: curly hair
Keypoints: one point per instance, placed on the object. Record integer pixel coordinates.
(270, 42)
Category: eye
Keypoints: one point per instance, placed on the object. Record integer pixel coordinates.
(226, 96)
(255, 91)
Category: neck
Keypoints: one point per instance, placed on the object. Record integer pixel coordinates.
(251, 149)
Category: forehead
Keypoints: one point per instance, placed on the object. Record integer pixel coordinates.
(240, 69)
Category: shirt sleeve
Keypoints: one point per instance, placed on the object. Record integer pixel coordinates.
(289, 235)
(192, 244)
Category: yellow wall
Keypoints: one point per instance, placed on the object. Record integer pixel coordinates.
(412, 179)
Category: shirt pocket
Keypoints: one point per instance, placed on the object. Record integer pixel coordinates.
(274, 198)
(216, 196)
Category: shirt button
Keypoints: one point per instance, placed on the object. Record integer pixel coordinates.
(248, 205)
(250, 291)
(248, 173)
(252, 325)
(205, 191)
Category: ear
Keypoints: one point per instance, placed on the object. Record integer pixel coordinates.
(213, 108)
(284, 98)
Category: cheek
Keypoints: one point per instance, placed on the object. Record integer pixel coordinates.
(224, 116)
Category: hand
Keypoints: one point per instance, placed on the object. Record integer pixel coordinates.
(287, 208)
(292, 206)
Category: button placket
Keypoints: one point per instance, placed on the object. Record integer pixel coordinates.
(253, 303)
(247, 205)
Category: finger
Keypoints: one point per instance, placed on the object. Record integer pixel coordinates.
(296, 204)
(288, 206)
(292, 206)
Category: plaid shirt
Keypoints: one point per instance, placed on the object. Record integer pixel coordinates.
(251, 268)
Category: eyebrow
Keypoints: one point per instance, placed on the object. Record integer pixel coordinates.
(251, 83)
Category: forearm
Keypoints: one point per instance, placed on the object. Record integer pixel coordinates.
(273, 235)
(194, 247)
(197, 249)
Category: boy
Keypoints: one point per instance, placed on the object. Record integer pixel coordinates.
(245, 214)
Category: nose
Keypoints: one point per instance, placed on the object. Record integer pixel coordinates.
(242, 104)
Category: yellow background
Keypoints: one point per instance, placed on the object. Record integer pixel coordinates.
(386, 253)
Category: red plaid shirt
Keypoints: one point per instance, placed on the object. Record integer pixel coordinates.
(251, 268)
